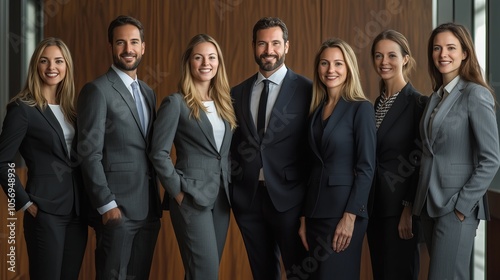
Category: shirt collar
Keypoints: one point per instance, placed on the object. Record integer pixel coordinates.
(276, 78)
(449, 87)
(126, 79)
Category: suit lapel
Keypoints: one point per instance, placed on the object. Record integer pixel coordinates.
(54, 123)
(287, 91)
(424, 123)
(445, 109)
(334, 119)
(397, 108)
(122, 90)
(206, 128)
(312, 141)
(246, 101)
(148, 97)
(226, 141)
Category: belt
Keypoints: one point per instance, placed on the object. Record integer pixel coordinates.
(262, 183)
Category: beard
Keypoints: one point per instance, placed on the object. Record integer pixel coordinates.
(267, 66)
(122, 66)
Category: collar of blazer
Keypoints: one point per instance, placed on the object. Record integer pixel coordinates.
(207, 129)
(397, 108)
(334, 119)
(54, 123)
(120, 87)
(441, 113)
(287, 91)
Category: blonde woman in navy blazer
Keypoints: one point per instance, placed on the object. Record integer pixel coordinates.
(40, 124)
(199, 121)
(342, 138)
(460, 152)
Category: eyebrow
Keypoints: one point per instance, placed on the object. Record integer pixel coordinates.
(202, 54)
(59, 57)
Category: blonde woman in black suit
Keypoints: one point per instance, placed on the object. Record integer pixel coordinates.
(199, 121)
(342, 139)
(392, 231)
(40, 124)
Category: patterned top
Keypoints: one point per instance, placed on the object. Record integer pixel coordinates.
(383, 107)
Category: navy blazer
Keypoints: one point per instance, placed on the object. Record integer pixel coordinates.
(399, 151)
(283, 149)
(343, 161)
(54, 181)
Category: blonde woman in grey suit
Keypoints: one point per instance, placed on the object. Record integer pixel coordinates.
(199, 121)
(460, 152)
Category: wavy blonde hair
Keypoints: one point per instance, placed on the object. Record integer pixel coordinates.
(32, 95)
(219, 86)
(351, 89)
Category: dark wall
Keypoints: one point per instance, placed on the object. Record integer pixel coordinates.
(169, 24)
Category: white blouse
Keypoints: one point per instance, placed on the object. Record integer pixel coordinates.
(217, 123)
(68, 129)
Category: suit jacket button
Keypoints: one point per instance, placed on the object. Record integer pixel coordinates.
(218, 157)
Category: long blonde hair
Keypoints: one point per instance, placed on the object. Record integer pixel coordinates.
(351, 89)
(219, 86)
(32, 95)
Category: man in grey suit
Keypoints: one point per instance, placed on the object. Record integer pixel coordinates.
(115, 116)
(269, 153)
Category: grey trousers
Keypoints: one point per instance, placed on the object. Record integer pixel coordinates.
(450, 242)
(201, 234)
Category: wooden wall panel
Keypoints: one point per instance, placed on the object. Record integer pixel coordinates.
(169, 24)
(358, 22)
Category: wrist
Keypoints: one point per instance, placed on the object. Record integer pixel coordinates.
(407, 203)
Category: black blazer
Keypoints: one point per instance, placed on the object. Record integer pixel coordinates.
(54, 181)
(283, 150)
(343, 161)
(398, 154)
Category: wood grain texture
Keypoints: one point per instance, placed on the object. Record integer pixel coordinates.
(358, 22)
(169, 24)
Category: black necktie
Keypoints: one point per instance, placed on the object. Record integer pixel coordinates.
(261, 116)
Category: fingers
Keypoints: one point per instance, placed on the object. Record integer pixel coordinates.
(405, 234)
(33, 210)
(304, 241)
(302, 233)
(341, 242)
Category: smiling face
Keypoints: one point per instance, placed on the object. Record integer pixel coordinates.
(332, 69)
(127, 48)
(52, 66)
(270, 50)
(388, 60)
(204, 62)
(447, 54)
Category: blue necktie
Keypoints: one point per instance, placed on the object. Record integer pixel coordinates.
(138, 103)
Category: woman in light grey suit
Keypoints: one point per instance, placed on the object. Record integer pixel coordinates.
(460, 152)
(199, 121)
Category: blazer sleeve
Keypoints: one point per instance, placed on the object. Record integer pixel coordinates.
(482, 119)
(92, 111)
(365, 144)
(165, 128)
(14, 130)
